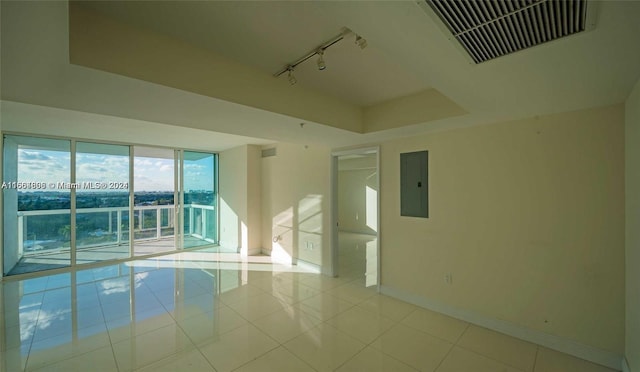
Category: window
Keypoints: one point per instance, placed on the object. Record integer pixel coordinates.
(70, 202)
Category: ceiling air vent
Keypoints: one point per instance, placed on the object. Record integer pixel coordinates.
(489, 29)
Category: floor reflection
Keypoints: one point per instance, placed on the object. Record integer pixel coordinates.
(52, 318)
(193, 311)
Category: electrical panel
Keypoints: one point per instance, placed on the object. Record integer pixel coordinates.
(414, 184)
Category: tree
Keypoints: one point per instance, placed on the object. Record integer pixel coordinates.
(65, 231)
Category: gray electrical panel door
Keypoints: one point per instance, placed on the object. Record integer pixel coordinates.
(414, 196)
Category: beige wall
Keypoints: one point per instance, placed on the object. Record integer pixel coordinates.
(632, 203)
(240, 204)
(527, 216)
(354, 212)
(425, 106)
(295, 195)
(254, 197)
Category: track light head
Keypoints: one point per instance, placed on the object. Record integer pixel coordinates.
(361, 42)
(292, 79)
(321, 64)
(319, 51)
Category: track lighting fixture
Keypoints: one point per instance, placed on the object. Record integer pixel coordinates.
(292, 79)
(319, 51)
(321, 64)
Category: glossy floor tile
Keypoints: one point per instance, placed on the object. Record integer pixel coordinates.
(436, 324)
(413, 347)
(192, 312)
(460, 359)
(282, 326)
(370, 359)
(279, 359)
(224, 354)
(553, 361)
(361, 324)
(150, 347)
(324, 347)
(192, 361)
(388, 307)
(506, 349)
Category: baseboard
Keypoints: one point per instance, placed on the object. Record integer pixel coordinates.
(254, 251)
(357, 232)
(625, 365)
(308, 266)
(590, 353)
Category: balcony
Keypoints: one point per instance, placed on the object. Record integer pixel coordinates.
(44, 236)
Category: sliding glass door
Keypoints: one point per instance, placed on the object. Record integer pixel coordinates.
(200, 199)
(102, 202)
(70, 202)
(37, 203)
(154, 200)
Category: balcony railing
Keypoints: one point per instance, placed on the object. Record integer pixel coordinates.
(114, 227)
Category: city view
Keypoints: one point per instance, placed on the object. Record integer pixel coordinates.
(47, 180)
(101, 217)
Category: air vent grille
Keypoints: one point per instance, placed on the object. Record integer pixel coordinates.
(269, 152)
(488, 29)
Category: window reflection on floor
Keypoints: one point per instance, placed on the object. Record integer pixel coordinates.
(358, 257)
(209, 311)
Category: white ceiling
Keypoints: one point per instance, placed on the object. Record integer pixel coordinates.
(592, 69)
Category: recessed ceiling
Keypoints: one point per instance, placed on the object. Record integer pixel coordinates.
(272, 34)
(361, 76)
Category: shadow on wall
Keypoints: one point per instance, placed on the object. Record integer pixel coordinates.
(357, 198)
(297, 232)
(234, 234)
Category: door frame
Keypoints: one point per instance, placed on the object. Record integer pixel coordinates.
(335, 155)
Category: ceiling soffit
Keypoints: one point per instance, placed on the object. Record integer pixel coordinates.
(100, 42)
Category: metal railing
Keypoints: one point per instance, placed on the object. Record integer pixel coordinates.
(116, 232)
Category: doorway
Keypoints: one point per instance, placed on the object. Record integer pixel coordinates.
(356, 251)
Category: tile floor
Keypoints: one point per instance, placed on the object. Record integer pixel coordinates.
(185, 312)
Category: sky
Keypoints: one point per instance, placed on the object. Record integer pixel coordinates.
(150, 174)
